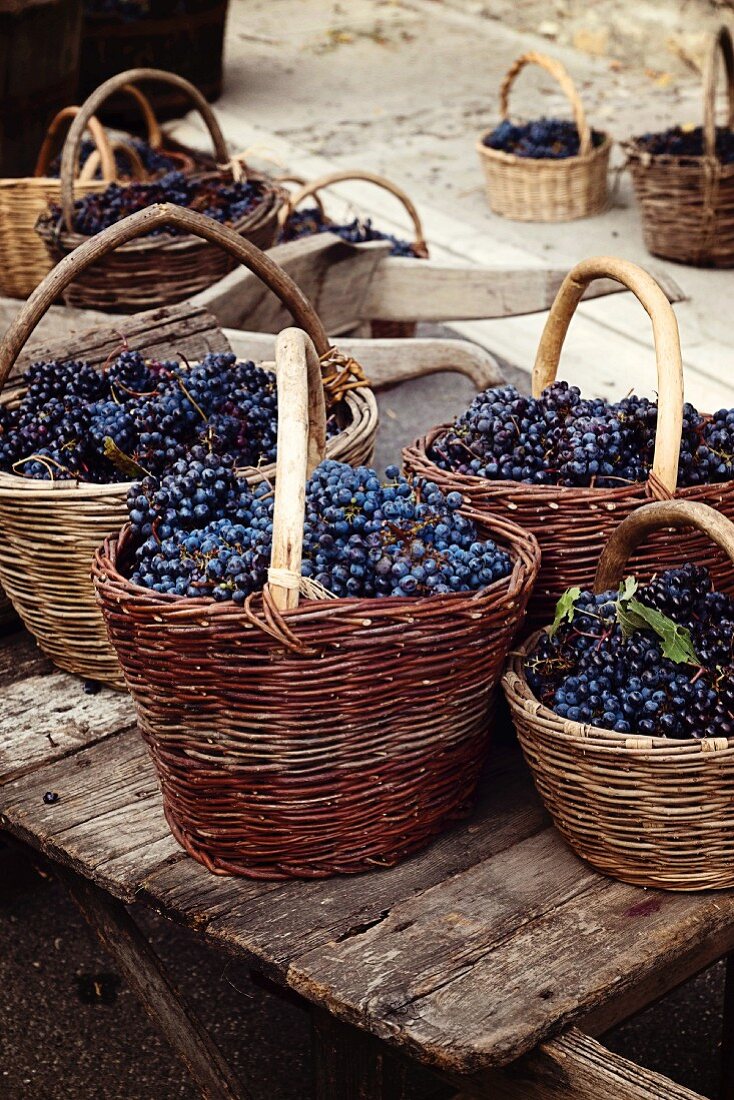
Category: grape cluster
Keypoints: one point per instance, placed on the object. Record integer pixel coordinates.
(687, 141)
(224, 201)
(153, 160)
(307, 222)
(591, 671)
(203, 532)
(542, 139)
(75, 422)
(561, 438)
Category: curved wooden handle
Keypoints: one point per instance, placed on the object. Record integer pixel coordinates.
(96, 99)
(721, 43)
(667, 349)
(651, 517)
(300, 447)
(137, 225)
(155, 134)
(91, 164)
(98, 136)
(560, 74)
(368, 177)
(287, 209)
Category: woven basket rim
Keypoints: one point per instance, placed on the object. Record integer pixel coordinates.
(515, 683)
(643, 158)
(499, 156)
(520, 544)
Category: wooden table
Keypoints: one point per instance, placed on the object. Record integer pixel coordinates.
(481, 958)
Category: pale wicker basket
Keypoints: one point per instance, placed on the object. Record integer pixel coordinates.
(531, 190)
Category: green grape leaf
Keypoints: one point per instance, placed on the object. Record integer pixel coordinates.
(122, 462)
(677, 643)
(565, 608)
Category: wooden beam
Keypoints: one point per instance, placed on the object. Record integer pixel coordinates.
(144, 973)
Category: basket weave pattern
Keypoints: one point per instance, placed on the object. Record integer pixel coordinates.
(687, 203)
(52, 529)
(334, 737)
(647, 810)
(544, 190)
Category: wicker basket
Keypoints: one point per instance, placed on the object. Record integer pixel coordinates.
(330, 736)
(572, 524)
(687, 203)
(51, 529)
(24, 259)
(647, 810)
(529, 190)
(385, 330)
(163, 269)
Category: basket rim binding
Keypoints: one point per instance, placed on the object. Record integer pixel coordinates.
(721, 43)
(669, 366)
(610, 570)
(587, 151)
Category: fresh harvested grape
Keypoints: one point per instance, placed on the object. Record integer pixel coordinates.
(307, 222)
(205, 533)
(561, 438)
(153, 160)
(687, 141)
(605, 665)
(541, 139)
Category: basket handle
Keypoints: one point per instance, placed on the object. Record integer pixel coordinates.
(286, 210)
(155, 134)
(369, 177)
(300, 447)
(559, 74)
(91, 164)
(137, 225)
(667, 349)
(94, 101)
(720, 43)
(99, 137)
(652, 517)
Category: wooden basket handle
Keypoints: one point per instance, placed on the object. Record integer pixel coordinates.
(652, 517)
(300, 448)
(118, 145)
(559, 74)
(92, 104)
(286, 210)
(369, 177)
(155, 134)
(137, 225)
(99, 137)
(721, 43)
(667, 349)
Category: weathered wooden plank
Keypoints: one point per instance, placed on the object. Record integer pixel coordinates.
(274, 923)
(108, 823)
(20, 656)
(611, 946)
(576, 1067)
(48, 716)
(726, 1082)
(144, 973)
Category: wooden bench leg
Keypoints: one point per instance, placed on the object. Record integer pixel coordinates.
(144, 973)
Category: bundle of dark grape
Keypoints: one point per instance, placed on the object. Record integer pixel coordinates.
(139, 416)
(687, 141)
(203, 532)
(223, 200)
(153, 160)
(655, 659)
(561, 438)
(542, 139)
(306, 223)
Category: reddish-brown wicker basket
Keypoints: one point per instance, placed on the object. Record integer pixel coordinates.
(330, 736)
(165, 268)
(50, 529)
(383, 330)
(572, 524)
(648, 810)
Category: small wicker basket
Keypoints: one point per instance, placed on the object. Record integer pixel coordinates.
(163, 269)
(51, 529)
(535, 190)
(572, 524)
(648, 810)
(687, 203)
(384, 330)
(330, 736)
